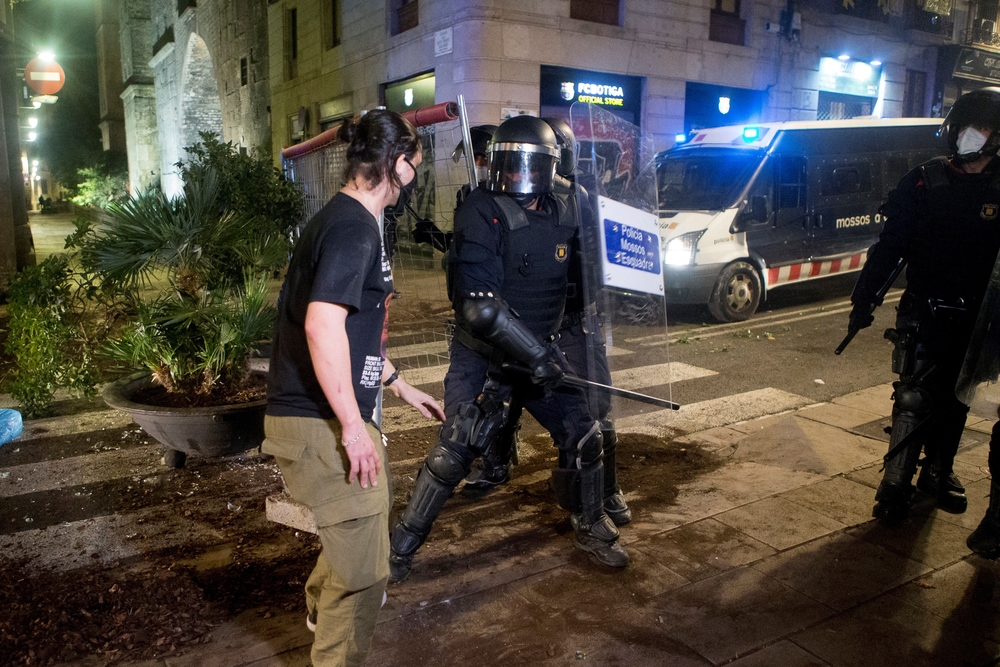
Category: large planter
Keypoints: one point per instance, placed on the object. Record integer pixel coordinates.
(216, 431)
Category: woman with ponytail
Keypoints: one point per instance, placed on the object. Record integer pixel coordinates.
(327, 363)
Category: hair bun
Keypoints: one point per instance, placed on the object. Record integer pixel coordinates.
(348, 130)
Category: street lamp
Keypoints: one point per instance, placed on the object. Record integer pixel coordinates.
(32, 122)
(32, 136)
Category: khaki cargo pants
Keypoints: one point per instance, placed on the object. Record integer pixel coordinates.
(346, 586)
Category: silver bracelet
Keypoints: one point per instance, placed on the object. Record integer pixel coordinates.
(355, 438)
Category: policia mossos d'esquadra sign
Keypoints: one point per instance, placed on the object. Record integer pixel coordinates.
(630, 248)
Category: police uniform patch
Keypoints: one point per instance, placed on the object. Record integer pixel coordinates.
(989, 211)
(562, 252)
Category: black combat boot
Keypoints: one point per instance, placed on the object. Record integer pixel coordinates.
(939, 481)
(892, 500)
(985, 539)
(614, 500)
(596, 533)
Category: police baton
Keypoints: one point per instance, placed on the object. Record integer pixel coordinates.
(852, 331)
(580, 383)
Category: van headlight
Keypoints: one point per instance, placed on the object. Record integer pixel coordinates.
(680, 251)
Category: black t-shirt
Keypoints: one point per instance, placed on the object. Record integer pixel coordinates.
(338, 259)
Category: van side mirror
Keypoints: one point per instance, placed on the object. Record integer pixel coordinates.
(758, 208)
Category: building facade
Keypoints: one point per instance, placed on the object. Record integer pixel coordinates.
(190, 68)
(668, 65)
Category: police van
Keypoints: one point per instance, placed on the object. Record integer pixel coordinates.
(748, 209)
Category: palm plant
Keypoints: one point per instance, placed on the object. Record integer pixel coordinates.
(197, 278)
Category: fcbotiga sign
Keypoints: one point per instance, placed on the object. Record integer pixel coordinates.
(44, 76)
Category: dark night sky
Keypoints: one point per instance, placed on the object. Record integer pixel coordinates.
(68, 132)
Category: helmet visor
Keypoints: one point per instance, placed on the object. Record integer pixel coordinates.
(529, 170)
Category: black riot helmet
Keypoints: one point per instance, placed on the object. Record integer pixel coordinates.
(522, 158)
(980, 108)
(481, 135)
(566, 141)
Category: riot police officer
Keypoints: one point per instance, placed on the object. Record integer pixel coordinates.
(513, 242)
(942, 220)
(579, 338)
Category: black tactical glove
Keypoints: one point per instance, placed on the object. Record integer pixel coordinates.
(861, 316)
(547, 374)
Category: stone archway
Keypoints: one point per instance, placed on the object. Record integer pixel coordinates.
(201, 108)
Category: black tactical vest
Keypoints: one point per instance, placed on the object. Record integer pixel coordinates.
(956, 240)
(537, 249)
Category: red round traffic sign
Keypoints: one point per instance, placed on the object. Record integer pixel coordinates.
(45, 77)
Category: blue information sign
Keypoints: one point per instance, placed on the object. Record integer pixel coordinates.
(631, 247)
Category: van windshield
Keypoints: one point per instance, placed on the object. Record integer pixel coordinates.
(704, 179)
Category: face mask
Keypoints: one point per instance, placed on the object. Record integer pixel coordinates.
(406, 194)
(970, 140)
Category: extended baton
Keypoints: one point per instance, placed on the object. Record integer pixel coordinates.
(879, 298)
(580, 383)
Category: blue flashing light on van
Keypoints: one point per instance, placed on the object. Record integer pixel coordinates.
(748, 209)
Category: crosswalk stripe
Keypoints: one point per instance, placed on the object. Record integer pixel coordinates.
(425, 375)
(79, 470)
(712, 413)
(433, 347)
(654, 375)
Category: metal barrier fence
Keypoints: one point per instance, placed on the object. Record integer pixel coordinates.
(420, 313)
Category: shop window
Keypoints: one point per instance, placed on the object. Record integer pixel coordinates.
(725, 24)
(596, 11)
(837, 106)
(405, 15)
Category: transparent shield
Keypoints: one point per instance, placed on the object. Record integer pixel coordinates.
(982, 359)
(622, 265)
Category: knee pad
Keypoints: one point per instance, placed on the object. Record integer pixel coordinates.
(448, 466)
(915, 400)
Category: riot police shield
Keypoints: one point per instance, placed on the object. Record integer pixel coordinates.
(982, 359)
(621, 278)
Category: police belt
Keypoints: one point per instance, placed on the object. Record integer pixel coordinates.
(941, 308)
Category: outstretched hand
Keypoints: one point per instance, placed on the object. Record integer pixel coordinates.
(425, 404)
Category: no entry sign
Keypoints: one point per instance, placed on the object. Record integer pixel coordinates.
(45, 77)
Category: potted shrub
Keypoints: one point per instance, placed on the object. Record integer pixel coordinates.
(196, 275)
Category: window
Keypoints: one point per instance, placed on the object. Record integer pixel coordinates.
(725, 24)
(837, 106)
(406, 15)
(296, 132)
(333, 23)
(292, 43)
(791, 182)
(596, 11)
(244, 71)
(845, 179)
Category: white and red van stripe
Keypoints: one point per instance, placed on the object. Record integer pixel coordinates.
(791, 273)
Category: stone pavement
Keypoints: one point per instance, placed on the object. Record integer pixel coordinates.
(770, 559)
